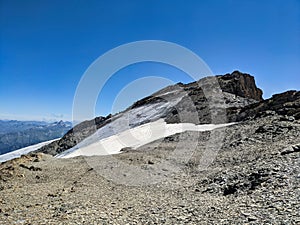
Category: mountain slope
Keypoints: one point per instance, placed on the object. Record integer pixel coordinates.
(174, 103)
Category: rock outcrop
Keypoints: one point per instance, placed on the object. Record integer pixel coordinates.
(286, 104)
(239, 89)
(240, 84)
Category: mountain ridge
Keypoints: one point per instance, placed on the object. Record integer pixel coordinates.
(236, 85)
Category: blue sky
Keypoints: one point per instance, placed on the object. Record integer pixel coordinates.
(46, 46)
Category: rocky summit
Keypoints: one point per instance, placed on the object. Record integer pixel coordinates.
(246, 172)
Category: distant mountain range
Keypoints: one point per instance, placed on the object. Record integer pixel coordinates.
(18, 134)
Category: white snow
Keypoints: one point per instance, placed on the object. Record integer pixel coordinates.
(23, 151)
(135, 137)
(129, 119)
(166, 93)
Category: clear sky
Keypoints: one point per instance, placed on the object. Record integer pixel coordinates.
(46, 46)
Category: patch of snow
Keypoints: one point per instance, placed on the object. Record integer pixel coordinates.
(23, 151)
(166, 93)
(130, 119)
(135, 137)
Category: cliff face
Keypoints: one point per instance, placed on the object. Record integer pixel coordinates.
(239, 90)
(240, 84)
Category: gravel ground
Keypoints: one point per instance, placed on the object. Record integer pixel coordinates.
(254, 179)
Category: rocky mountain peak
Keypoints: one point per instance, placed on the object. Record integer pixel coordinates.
(240, 84)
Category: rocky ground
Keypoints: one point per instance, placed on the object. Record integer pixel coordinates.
(254, 179)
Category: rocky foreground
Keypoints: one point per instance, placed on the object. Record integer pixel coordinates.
(254, 179)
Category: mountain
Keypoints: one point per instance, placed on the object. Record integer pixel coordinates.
(11, 126)
(174, 104)
(204, 168)
(18, 134)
